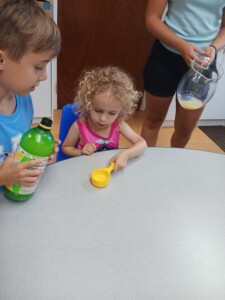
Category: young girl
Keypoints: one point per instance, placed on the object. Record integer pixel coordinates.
(105, 98)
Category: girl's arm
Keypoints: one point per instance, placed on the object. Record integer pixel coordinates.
(138, 147)
(68, 146)
(155, 25)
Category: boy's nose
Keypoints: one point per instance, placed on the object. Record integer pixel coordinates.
(43, 76)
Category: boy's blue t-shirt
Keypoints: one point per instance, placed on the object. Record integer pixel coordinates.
(12, 127)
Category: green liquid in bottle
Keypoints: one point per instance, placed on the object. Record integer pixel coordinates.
(37, 142)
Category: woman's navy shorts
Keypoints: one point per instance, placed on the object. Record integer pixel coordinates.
(163, 71)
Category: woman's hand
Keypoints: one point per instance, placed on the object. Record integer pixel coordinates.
(188, 52)
(211, 51)
(12, 172)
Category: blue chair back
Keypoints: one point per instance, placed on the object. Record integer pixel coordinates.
(68, 116)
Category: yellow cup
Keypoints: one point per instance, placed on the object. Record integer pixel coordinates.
(100, 177)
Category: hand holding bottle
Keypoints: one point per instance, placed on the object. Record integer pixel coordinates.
(34, 149)
(52, 157)
(20, 173)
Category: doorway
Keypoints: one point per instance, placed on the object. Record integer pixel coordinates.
(99, 33)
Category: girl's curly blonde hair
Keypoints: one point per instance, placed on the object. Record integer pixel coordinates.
(100, 80)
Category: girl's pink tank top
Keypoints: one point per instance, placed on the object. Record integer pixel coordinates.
(101, 143)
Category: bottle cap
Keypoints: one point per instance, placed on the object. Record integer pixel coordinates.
(46, 123)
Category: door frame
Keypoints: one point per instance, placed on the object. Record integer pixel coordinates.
(54, 61)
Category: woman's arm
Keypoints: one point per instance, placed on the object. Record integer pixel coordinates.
(155, 25)
(219, 41)
(138, 147)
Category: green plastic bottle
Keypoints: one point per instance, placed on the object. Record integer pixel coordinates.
(37, 142)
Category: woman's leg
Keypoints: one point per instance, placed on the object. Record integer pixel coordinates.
(185, 123)
(162, 73)
(156, 110)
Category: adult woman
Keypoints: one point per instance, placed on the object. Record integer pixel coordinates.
(190, 28)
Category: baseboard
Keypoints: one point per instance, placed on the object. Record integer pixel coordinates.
(170, 123)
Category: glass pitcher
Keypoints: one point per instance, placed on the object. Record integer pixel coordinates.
(198, 84)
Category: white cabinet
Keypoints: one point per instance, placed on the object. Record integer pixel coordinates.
(214, 112)
(45, 97)
(42, 97)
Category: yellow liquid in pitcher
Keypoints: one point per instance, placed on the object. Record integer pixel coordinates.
(191, 104)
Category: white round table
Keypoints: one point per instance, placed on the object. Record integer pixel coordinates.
(157, 231)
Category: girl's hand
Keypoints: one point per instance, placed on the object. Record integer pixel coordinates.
(89, 149)
(52, 157)
(120, 160)
(12, 172)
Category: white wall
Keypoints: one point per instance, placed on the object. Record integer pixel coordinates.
(45, 96)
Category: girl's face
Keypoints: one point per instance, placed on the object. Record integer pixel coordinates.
(22, 77)
(104, 110)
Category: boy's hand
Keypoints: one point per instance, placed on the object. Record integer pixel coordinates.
(89, 149)
(12, 172)
(52, 157)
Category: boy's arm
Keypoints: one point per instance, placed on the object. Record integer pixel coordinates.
(138, 147)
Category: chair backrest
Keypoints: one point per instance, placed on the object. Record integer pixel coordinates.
(68, 116)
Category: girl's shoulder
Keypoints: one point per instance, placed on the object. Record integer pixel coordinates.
(116, 124)
(81, 121)
(120, 124)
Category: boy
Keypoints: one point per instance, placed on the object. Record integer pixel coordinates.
(29, 39)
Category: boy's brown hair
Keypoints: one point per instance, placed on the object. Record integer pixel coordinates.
(25, 27)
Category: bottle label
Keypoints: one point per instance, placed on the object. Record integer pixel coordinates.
(23, 156)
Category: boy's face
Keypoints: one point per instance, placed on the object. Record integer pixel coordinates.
(24, 76)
